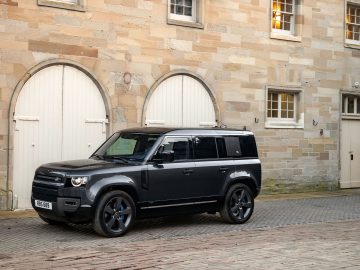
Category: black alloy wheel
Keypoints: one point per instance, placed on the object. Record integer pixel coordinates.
(239, 204)
(114, 215)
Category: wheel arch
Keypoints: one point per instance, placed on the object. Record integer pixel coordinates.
(248, 181)
(122, 187)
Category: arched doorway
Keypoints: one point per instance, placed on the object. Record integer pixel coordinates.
(180, 100)
(59, 115)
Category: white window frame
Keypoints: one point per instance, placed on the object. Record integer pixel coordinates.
(78, 6)
(297, 122)
(345, 105)
(347, 22)
(185, 18)
(290, 32)
(196, 20)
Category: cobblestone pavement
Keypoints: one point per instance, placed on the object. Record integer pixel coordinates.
(303, 234)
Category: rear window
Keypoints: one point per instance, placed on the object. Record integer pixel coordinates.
(237, 147)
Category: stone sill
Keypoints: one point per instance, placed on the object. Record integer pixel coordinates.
(351, 45)
(186, 24)
(49, 3)
(283, 126)
(350, 117)
(285, 37)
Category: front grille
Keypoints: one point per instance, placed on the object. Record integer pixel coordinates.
(45, 194)
(50, 178)
(46, 185)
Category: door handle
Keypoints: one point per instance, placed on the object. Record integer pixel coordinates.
(223, 169)
(188, 171)
(352, 157)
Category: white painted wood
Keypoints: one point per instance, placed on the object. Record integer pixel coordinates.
(350, 145)
(180, 101)
(198, 108)
(165, 104)
(81, 100)
(59, 115)
(36, 142)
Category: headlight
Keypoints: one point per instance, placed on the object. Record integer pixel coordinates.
(79, 181)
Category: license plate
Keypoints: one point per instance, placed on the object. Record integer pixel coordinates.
(43, 204)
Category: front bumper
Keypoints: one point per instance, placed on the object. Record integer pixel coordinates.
(66, 210)
(69, 204)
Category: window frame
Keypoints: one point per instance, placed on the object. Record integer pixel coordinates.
(196, 20)
(292, 19)
(350, 42)
(80, 6)
(297, 122)
(295, 32)
(191, 149)
(344, 99)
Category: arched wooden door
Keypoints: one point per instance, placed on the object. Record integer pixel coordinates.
(59, 115)
(180, 101)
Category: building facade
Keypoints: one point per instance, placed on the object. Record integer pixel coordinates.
(74, 71)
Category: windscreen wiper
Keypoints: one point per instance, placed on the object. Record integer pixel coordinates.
(117, 158)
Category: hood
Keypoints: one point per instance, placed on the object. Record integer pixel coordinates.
(81, 166)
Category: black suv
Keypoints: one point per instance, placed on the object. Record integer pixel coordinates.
(150, 172)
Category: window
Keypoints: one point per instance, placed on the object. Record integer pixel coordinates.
(185, 12)
(180, 146)
(283, 16)
(352, 31)
(351, 105)
(205, 148)
(128, 146)
(77, 5)
(237, 147)
(281, 105)
(284, 108)
(286, 19)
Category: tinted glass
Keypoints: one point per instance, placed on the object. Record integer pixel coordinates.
(248, 146)
(205, 147)
(130, 146)
(220, 142)
(180, 146)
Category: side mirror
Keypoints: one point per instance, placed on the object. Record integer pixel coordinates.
(167, 156)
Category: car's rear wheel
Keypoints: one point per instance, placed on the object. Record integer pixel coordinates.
(114, 214)
(238, 205)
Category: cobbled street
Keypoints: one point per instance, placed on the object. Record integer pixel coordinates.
(315, 233)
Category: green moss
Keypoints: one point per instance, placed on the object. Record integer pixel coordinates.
(275, 186)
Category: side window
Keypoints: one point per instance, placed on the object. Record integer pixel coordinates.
(205, 148)
(233, 147)
(248, 146)
(180, 145)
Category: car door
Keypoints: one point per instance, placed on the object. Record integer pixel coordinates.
(213, 164)
(169, 181)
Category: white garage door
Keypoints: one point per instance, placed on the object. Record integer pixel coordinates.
(59, 115)
(180, 101)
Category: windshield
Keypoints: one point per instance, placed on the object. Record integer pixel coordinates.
(127, 146)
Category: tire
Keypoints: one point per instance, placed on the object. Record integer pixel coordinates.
(114, 214)
(238, 205)
(51, 221)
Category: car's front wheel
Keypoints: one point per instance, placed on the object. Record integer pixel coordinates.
(114, 214)
(238, 205)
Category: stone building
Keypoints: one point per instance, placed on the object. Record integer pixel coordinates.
(74, 71)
